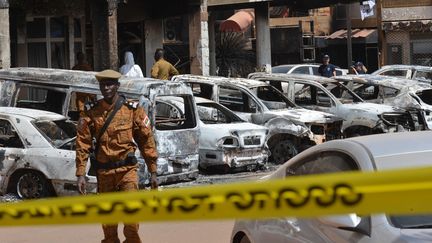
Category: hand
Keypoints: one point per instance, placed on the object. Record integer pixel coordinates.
(81, 183)
(153, 181)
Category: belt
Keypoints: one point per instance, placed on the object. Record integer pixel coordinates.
(130, 160)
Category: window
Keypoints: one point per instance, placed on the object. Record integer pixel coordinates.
(304, 94)
(213, 113)
(389, 92)
(272, 98)
(41, 99)
(425, 76)
(58, 133)
(202, 90)
(174, 112)
(301, 70)
(367, 92)
(8, 136)
(236, 100)
(322, 163)
(47, 39)
(396, 73)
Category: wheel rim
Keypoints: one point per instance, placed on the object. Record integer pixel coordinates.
(284, 151)
(30, 185)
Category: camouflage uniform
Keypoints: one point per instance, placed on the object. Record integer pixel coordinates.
(129, 123)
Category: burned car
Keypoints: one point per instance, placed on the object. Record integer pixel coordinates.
(57, 90)
(37, 154)
(330, 95)
(227, 142)
(414, 72)
(399, 92)
(395, 151)
(291, 128)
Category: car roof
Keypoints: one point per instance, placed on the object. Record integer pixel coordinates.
(76, 78)
(247, 83)
(30, 113)
(389, 81)
(400, 66)
(287, 77)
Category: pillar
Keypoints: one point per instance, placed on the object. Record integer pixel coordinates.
(105, 44)
(198, 39)
(263, 44)
(5, 55)
(212, 43)
(154, 35)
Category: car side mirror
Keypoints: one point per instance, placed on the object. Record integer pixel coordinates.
(349, 222)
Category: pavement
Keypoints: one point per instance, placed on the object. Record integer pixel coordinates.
(175, 232)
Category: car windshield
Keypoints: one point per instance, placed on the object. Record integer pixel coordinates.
(57, 132)
(213, 113)
(272, 98)
(282, 69)
(412, 221)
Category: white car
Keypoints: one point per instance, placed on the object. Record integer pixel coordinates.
(367, 153)
(226, 141)
(418, 73)
(311, 69)
(37, 151)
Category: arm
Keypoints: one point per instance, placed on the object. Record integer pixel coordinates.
(173, 71)
(155, 71)
(83, 145)
(143, 136)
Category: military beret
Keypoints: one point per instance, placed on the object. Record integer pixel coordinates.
(107, 75)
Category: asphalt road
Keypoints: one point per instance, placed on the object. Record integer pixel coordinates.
(176, 232)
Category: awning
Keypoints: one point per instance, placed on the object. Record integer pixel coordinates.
(239, 22)
(358, 36)
(355, 33)
(414, 25)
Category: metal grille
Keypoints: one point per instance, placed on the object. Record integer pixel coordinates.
(409, 47)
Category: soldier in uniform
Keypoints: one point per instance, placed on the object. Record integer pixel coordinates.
(117, 167)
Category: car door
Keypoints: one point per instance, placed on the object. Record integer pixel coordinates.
(238, 101)
(323, 162)
(11, 149)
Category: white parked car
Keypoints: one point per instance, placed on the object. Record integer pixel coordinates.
(226, 141)
(37, 151)
(367, 153)
(311, 69)
(418, 73)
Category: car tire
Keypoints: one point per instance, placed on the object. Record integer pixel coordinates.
(30, 185)
(282, 151)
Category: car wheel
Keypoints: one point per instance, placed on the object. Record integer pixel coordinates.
(31, 185)
(283, 151)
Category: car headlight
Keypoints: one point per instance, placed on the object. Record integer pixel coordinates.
(228, 142)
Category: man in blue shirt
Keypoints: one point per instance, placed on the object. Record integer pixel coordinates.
(326, 69)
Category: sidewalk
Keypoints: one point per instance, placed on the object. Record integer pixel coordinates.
(178, 232)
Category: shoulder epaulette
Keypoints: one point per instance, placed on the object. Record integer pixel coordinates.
(90, 105)
(131, 104)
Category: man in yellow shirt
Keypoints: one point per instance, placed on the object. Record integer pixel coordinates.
(162, 69)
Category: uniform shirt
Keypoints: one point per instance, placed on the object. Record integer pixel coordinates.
(130, 122)
(327, 70)
(163, 70)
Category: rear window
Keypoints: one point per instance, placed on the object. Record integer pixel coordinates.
(175, 112)
(41, 99)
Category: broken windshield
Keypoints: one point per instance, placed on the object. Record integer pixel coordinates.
(56, 132)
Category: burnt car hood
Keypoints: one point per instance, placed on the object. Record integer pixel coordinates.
(306, 116)
(212, 133)
(372, 108)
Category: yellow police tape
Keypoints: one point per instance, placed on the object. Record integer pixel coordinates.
(393, 192)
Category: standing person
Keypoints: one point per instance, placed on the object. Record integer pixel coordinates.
(115, 149)
(82, 63)
(327, 69)
(130, 69)
(360, 68)
(162, 69)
